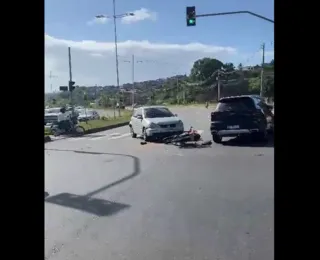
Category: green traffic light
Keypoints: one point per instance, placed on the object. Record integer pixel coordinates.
(191, 21)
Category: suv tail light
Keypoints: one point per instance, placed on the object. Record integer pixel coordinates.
(214, 116)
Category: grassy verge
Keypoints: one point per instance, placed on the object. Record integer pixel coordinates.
(92, 124)
(105, 122)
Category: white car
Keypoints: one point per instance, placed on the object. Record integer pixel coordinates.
(85, 115)
(152, 122)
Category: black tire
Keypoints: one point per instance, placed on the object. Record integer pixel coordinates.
(79, 130)
(217, 139)
(54, 131)
(260, 136)
(144, 135)
(133, 134)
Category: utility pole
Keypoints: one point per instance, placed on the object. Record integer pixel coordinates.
(51, 77)
(70, 72)
(132, 64)
(219, 86)
(177, 90)
(184, 93)
(116, 51)
(262, 65)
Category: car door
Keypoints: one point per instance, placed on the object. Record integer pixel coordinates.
(134, 120)
(138, 121)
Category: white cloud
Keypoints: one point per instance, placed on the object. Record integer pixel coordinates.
(94, 62)
(102, 20)
(139, 15)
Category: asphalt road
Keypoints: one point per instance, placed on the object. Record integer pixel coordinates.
(112, 198)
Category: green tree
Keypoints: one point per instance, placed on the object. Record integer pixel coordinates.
(104, 101)
(269, 86)
(228, 67)
(254, 85)
(204, 68)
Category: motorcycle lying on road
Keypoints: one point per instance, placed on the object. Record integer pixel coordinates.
(188, 138)
(69, 129)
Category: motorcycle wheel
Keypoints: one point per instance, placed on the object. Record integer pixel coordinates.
(54, 131)
(79, 130)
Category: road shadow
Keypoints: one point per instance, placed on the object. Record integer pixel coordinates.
(86, 202)
(249, 142)
(94, 206)
(193, 146)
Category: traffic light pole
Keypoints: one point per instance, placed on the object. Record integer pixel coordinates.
(236, 12)
(70, 74)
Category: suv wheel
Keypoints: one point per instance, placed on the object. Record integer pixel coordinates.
(260, 136)
(133, 134)
(217, 139)
(144, 135)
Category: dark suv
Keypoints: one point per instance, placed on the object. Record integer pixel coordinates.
(241, 115)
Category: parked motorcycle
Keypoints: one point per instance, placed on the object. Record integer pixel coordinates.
(69, 129)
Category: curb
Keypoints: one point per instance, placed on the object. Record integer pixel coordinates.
(104, 128)
(95, 130)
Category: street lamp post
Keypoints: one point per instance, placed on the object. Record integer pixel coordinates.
(115, 16)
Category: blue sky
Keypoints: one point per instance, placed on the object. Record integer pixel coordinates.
(70, 20)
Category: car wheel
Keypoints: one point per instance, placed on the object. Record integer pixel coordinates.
(133, 134)
(260, 136)
(216, 138)
(144, 135)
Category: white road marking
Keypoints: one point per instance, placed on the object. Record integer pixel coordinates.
(115, 134)
(120, 136)
(89, 138)
(98, 138)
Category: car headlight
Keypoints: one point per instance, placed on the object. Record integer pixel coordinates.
(153, 125)
(180, 123)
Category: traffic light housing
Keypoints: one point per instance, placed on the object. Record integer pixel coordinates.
(71, 86)
(191, 15)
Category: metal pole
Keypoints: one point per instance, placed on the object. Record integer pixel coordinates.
(50, 76)
(177, 89)
(116, 50)
(237, 12)
(262, 65)
(219, 86)
(70, 73)
(132, 80)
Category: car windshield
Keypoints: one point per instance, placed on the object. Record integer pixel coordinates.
(155, 112)
(235, 104)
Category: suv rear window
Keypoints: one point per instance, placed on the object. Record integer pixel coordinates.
(235, 104)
